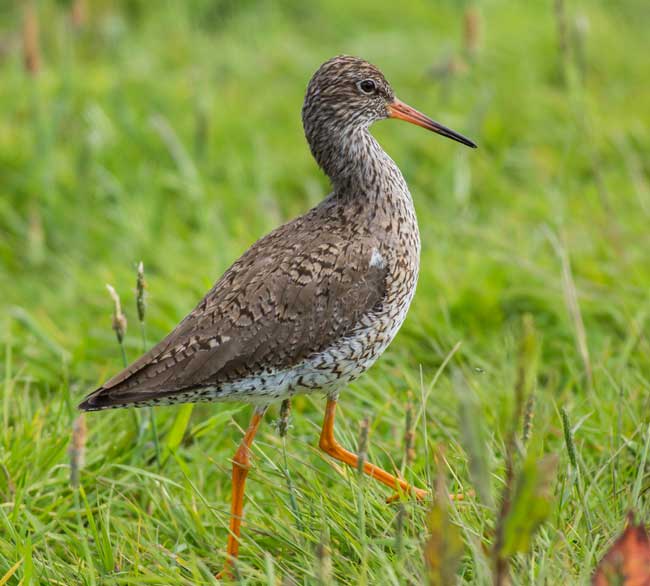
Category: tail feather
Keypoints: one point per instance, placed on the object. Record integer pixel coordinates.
(111, 398)
(100, 399)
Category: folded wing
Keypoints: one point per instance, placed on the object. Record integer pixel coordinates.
(283, 300)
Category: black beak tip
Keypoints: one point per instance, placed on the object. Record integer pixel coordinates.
(466, 141)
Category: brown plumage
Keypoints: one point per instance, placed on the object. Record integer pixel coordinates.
(291, 295)
(307, 286)
(310, 306)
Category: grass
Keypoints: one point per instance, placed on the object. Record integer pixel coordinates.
(170, 133)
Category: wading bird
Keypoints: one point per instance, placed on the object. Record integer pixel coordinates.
(310, 306)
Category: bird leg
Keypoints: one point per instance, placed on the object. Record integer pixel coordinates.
(330, 446)
(240, 468)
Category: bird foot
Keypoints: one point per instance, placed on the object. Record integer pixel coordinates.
(226, 574)
(421, 495)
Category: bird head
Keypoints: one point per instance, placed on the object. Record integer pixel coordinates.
(348, 93)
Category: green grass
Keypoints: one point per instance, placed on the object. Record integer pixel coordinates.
(170, 133)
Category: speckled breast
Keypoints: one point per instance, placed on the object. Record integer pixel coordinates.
(330, 370)
(350, 356)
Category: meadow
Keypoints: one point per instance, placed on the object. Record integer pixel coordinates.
(169, 133)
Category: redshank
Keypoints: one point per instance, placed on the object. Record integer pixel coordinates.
(310, 306)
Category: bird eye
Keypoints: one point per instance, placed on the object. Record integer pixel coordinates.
(367, 86)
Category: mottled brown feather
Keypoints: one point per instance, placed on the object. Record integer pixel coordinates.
(290, 295)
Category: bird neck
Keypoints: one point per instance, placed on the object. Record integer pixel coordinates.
(357, 165)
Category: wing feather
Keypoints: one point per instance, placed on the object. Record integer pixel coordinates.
(283, 300)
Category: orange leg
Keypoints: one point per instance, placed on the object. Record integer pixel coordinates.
(240, 468)
(329, 445)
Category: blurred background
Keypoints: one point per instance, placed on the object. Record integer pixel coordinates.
(169, 133)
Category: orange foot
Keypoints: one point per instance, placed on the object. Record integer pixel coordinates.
(421, 495)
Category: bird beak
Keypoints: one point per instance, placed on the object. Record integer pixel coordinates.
(399, 109)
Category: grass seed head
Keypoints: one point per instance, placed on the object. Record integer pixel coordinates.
(119, 319)
(284, 419)
(568, 438)
(140, 287)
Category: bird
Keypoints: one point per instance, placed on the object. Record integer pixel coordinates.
(310, 306)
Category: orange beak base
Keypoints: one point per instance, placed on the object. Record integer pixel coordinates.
(402, 111)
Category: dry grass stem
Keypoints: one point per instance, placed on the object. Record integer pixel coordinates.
(573, 307)
(471, 31)
(409, 432)
(31, 44)
(77, 449)
(364, 427)
(79, 13)
(323, 561)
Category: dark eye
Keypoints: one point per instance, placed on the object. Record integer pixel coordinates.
(367, 86)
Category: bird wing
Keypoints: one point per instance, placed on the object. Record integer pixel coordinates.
(285, 299)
